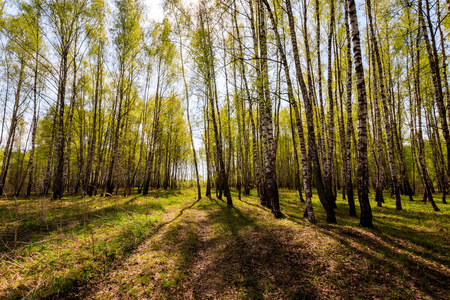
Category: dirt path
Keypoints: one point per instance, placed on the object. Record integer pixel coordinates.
(150, 261)
(209, 251)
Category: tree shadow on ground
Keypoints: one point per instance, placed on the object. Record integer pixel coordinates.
(410, 257)
(73, 215)
(241, 258)
(257, 260)
(210, 250)
(389, 226)
(80, 289)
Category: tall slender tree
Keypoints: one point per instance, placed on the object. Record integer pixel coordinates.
(362, 161)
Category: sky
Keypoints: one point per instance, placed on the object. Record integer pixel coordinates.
(155, 11)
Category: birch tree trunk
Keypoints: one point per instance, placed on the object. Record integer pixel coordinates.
(58, 183)
(309, 212)
(348, 148)
(362, 161)
(433, 60)
(186, 92)
(270, 145)
(329, 167)
(12, 126)
(387, 119)
(35, 108)
(325, 194)
(87, 187)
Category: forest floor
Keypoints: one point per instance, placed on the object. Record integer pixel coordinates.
(168, 245)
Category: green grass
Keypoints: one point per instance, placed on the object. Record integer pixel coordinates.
(417, 224)
(203, 248)
(410, 245)
(77, 241)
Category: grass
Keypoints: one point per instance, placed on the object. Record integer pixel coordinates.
(77, 240)
(417, 223)
(170, 246)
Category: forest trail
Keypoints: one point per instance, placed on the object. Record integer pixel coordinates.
(209, 251)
